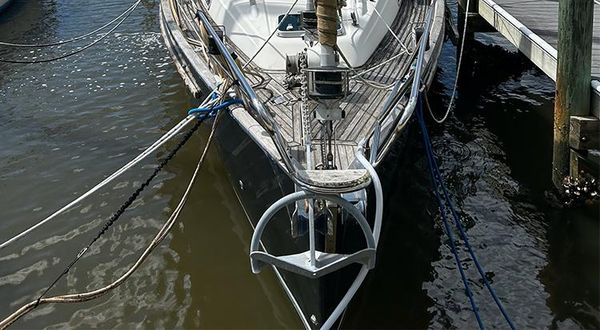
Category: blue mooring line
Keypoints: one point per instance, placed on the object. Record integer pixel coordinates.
(214, 109)
(445, 203)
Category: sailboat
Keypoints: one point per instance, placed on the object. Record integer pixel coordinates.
(316, 92)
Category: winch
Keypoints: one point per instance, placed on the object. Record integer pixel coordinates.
(316, 70)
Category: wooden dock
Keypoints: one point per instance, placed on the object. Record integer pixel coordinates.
(532, 26)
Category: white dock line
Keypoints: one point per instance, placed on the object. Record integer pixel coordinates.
(166, 137)
(160, 235)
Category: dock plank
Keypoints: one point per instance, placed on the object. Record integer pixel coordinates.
(532, 26)
(541, 17)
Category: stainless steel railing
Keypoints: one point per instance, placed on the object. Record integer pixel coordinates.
(376, 140)
(264, 117)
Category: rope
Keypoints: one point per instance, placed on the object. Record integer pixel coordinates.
(106, 181)
(445, 206)
(127, 203)
(405, 50)
(458, 65)
(271, 35)
(442, 207)
(370, 69)
(222, 105)
(359, 78)
(389, 28)
(162, 233)
(162, 140)
(58, 43)
(78, 50)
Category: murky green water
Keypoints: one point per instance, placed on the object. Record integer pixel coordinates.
(64, 126)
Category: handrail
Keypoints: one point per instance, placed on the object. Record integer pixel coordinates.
(243, 82)
(266, 120)
(416, 85)
(410, 106)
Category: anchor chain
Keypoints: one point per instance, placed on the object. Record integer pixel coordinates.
(158, 238)
(126, 204)
(304, 105)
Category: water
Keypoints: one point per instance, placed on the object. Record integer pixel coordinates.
(64, 126)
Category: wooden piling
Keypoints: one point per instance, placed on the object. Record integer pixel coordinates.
(573, 77)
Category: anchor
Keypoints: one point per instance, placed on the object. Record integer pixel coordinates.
(313, 263)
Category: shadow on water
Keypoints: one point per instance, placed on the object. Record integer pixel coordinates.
(393, 296)
(495, 153)
(524, 105)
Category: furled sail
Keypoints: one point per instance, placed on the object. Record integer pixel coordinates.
(327, 22)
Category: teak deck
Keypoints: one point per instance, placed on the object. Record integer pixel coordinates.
(363, 104)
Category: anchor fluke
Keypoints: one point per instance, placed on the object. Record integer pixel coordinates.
(312, 263)
(325, 262)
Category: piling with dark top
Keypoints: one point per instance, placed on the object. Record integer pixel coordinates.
(573, 77)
